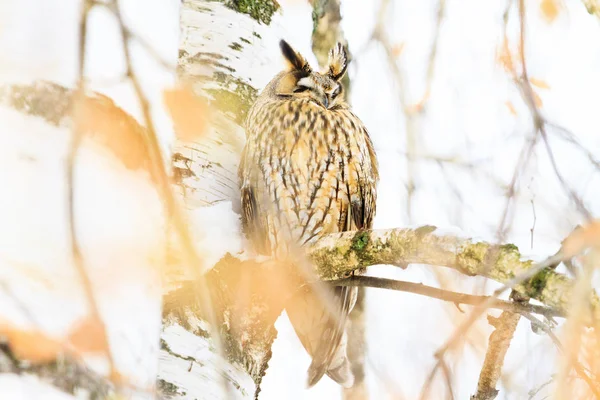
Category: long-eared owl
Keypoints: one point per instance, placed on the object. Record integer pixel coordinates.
(308, 169)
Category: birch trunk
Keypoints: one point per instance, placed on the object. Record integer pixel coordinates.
(224, 56)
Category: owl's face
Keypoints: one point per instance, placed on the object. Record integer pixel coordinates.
(300, 81)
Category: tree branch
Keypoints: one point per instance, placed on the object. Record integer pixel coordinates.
(500, 339)
(337, 255)
(592, 6)
(67, 373)
(447, 295)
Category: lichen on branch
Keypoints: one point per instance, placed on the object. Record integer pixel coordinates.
(260, 10)
(336, 255)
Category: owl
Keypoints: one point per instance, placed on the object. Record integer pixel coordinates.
(308, 169)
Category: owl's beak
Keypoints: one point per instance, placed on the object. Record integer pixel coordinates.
(326, 101)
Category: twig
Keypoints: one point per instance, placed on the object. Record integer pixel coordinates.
(356, 349)
(480, 309)
(538, 121)
(524, 155)
(429, 382)
(190, 256)
(448, 379)
(462, 329)
(67, 373)
(440, 15)
(380, 36)
(579, 312)
(576, 199)
(568, 136)
(76, 140)
(447, 295)
(579, 369)
(500, 339)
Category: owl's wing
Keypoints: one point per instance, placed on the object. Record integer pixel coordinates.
(362, 207)
(359, 216)
(252, 224)
(362, 210)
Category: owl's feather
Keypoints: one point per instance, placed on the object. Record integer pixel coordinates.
(309, 169)
(294, 59)
(337, 62)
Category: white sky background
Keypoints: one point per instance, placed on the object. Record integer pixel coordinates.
(466, 119)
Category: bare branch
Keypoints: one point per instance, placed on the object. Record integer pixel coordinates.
(447, 295)
(592, 6)
(68, 374)
(581, 371)
(74, 146)
(498, 345)
(159, 173)
(539, 122)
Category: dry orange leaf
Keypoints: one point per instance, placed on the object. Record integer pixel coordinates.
(117, 378)
(549, 9)
(539, 83)
(33, 346)
(510, 107)
(104, 122)
(89, 337)
(188, 111)
(582, 238)
(397, 49)
(418, 106)
(504, 56)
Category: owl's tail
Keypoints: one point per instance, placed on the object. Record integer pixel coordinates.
(321, 328)
(341, 374)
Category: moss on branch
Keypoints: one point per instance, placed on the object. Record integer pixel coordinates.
(234, 96)
(260, 10)
(337, 255)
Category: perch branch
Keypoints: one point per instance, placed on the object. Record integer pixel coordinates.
(338, 254)
(447, 295)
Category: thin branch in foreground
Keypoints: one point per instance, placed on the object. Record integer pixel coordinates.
(448, 380)
(70, 163)
(538, 121)
(429, 382)
(447, 295)
(67, 373)
(581, 371)
(480, 309)
(174, 211)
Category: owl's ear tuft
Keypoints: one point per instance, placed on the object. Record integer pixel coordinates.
(338, 62)
(294, 59)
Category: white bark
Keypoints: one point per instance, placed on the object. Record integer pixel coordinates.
(226, 56)
(118, 224)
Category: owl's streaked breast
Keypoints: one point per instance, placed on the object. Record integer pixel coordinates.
(311, 164)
